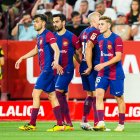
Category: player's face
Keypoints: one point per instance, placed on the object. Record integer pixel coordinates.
(57, 24)
(38, 24)
(103, 26)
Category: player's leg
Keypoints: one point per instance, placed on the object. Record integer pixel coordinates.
(101, 86)
(57, 112)
(86, 110)
(121, 107)
(35, 109)
(117, 89)
(61, 88)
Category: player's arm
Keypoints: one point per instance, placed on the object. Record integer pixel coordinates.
(32, 53)
(89, 48)
(55, 63)
(114, 60)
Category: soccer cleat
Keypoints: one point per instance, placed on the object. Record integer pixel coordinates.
(86, 126)
(69, 128)
(100, 126)
(56, 128)
(119, 128)
(27, 127)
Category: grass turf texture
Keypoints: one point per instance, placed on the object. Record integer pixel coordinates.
(9, 131)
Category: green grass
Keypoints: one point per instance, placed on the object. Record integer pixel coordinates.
(9, 131)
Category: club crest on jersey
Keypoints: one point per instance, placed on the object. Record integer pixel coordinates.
(65, 43)
(109, 47)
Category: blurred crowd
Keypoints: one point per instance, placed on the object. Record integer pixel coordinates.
(16, 16)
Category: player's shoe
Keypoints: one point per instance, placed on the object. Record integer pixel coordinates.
(119, 128)
(68, 128)
(86, 126)
(100, 126)
(27, 127)
(56, 128)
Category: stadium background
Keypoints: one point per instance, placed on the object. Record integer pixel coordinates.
(18, 85)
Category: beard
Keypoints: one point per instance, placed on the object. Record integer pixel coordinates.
(58, 29)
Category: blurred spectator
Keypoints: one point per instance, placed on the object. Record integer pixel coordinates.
(91, 5)
(108, 3)
(64, 8)
(136, 30)
(134, 13)
(3, 95)
(24, 30)
(41, 7)
(75, 25)
(84, 11)
(71, 2)
(2, 21)
(122, 6)
(121, 28)
(12, 7)
(101, 8)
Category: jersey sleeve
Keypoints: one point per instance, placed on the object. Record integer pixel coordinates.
(93, 37)
(1, 52)
(118, 45)
(50, 38)
(76, 42)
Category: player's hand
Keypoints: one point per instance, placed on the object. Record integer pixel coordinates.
(17, 64)
(87, 71)
(58, 68)
(99, 67)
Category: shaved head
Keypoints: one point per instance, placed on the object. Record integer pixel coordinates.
(93, 17)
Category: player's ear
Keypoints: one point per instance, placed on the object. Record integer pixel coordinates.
(64, 23)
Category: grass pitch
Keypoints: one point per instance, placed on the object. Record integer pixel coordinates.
(9, 131)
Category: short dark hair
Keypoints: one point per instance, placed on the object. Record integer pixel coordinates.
(74, 14)
(61, 16)
(41, 16)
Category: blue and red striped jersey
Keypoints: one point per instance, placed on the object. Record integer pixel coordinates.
(109, 46)
(67, 43)
(90, 33)
(45, 51)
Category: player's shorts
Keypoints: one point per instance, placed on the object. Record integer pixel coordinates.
(46, 81)
(116, 86)
(63, 81)
(88, 81)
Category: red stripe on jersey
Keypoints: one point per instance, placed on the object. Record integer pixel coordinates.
(76, 42)
(50, 38)
(112, 68)
(64, 56)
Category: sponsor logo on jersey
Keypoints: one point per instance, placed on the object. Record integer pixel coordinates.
(104, 54)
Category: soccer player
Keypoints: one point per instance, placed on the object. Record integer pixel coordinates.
(48, 53)
(68, 45)
(110, 72)
(90, 49)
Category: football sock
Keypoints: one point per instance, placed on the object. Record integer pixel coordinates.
(87, 108)
(95, 111)
(57, 114)
(59, 96)
(100, 115)
(121, 118)
(66, 110)
(34, 114)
